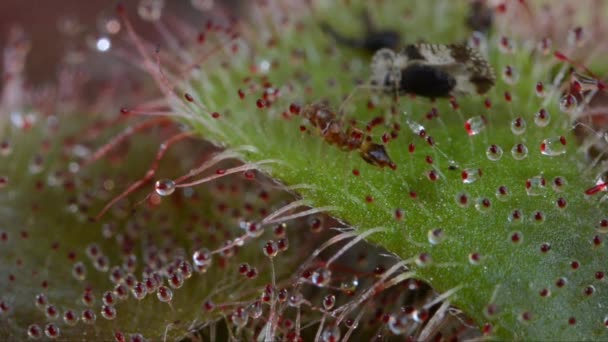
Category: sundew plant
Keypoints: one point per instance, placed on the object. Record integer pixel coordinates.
(280, 170)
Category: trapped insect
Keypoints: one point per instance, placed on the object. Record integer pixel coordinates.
(432, 70)
(350, 138)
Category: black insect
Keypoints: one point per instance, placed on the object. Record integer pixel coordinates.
(373, 39)
(432, 70)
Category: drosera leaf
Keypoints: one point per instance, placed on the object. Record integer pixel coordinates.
(495, 228)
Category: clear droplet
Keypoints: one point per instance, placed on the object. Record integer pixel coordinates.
(416, 128)
(568, 103)
(108, 312)
(240, 317)
(70, 318)
(5, 148)
(88, 316)
(503, 193)
(518, 126)
(536, 186)
(102, 263)
(202, 258)
(519, 152)
(139, 290)
(510, 75)
(494, 152)
(539, 89)
(3, 181)
(506, 45)
(398, 324)
(34, 332)
(483, 205)
(150, 10)
(321, 277)
(542, 118)
(329, 301)
(79, 271)
(553, 146)
(52, 331)
(475, 125)
(164, 294)
(516, 216)
(470, 175)
(559, 183)
(255, 309)
(164, 187)
(576, 37)
(436, 236)
(544, 46)
(331, 334)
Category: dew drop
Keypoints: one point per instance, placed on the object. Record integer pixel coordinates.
(150, 10)
(5, 148)
(518, 126)
(436, 236)
(553, 146)
(70, 318)
(164, 294)
(271, 249)
(544, 46)
(539, 89)
(3, 181)
(398, 324)
(164, 187)
(510, 75)
(331, 334)
(329, 301)
(239, 317)
(102, 263)
(108, 312)
(567, 103)
(462, 199)
(506, 45)
(494, 152)
(538, 217)
(515, 216)
(321, 277)
(475, 125)
(561, 203)
(559, 183)
(176, 280)
(423, 259)
(469, 176)
(121, 291)
(88, 316)
(139, 291)
(52, 331)
(483, 205)
(252, 229)
(202, 258)
(536, 186)
(542, 118)
(416, 128)
(41, 301)
(474, 258)
(503, 193)
(34, 331)
(519, 152)
(575, 37)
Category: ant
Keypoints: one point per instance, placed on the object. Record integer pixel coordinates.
(349, 139)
